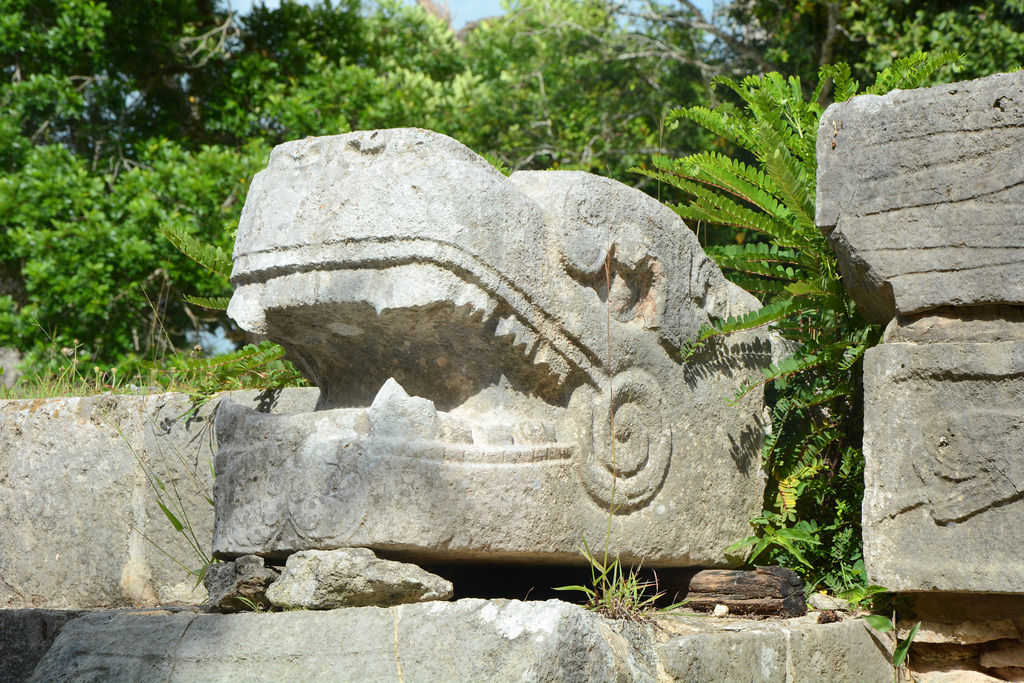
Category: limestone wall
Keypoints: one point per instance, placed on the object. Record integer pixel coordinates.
(81, 522)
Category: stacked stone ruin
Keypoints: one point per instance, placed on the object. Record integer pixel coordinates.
(483, 345)
(921, 194)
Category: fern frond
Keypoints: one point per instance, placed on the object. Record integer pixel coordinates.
(757, 285)
(843, 85)
(730, 175)
(714, 207)
(242, 360)
(219, 303)
(909, 72)
(823, 286)
(748, 321)
(718, 121)
(211, 258)
(769, 253)
(496, 161)
(754, 264)
(793, 191)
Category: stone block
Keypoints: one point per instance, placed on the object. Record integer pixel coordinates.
(75, 500)
(943, 437)
(957, 675)
(965, 632)
(921, 194)
(25, 636)
(497, 360)
(353, 577)
(468, 640)
(1009, 654)
(777, 651)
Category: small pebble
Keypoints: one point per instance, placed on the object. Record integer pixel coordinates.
(721, 610)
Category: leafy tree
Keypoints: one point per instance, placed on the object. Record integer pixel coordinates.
(122, 118)
(797, 37)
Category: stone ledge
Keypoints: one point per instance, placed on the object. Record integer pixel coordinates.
(479, 640)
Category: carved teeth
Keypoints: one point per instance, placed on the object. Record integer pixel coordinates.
(396, 414)
(523, 335)
(532, 346)
(555, 362)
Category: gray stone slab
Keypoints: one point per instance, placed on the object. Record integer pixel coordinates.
(113, 646)
(944, 472)
(25, 636)
(922, 195)
(974, 324)
(469, 640)
(75, 501)
(498, 364)
(774, 651)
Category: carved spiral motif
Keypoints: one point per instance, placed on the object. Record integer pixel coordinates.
(631, 443)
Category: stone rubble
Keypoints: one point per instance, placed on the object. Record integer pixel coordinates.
(352, 577)
(239, 585)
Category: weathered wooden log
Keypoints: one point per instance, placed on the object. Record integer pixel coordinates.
(765, 591)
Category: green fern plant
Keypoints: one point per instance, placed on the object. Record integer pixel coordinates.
(812, 458)
(254, 366)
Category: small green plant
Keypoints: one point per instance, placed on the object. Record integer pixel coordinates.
(775, 535)
(496, 161)
(252, 605)
(861, 594)
(614, 592)
(812, 456)
(257, 366)
(887, 625)
(171, 501)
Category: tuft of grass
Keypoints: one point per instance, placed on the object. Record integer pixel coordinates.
(614, 592)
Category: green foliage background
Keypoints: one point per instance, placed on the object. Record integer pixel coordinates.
(121, 117)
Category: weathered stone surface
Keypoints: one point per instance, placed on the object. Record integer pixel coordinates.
(776, 651)
(468, 640)
(115, 646)
(1015, 674)
(943, 437)
(246, 577)
(966, 632)
(515, 316)
(980, 324)
(1007, 654)
(25, 636)
(820, 601)
(921, 194)
(72, 491)
(353, 577)
(958, 675)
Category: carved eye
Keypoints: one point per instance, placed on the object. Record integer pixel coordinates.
(628, 291)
